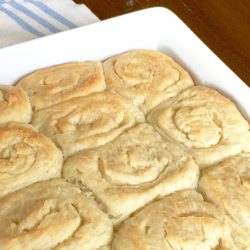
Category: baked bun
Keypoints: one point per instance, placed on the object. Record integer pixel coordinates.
(14, 105)
(227, 185)
(56, 84)
(146, 77)
(104, 248)
(87, 122)
(26, 157)
(182, 220)
(131, 171)
(52, 215)
(205, 122)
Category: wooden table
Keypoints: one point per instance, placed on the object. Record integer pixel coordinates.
(224, 25)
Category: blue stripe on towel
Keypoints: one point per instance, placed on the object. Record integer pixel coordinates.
(34, 16)
(21, 22)
(53, 13)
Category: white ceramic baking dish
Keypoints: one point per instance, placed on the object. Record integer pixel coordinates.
(155, 28)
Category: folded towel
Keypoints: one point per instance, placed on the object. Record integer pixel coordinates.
(22, 20)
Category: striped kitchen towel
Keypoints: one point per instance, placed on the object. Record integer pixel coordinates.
(22, 20)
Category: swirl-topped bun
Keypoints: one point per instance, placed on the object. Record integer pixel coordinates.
(87, 122)
(227, 185)
(56, 84)
(207, 123)
(26, 157)
(132, 170)
(52, 215)
(14, 105)
(182, 220)
(146, 77)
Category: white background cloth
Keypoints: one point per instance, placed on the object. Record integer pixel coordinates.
(23, 20)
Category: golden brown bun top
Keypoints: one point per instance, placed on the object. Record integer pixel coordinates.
(14, 105)
(52, 215)
(205, 122)
(227, 185)
(87, 122)
(146, 77)
(59, 83)
(132, 170)
(26, 157)
(182, 220)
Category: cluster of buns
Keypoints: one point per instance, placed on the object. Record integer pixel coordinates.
(128, 154)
